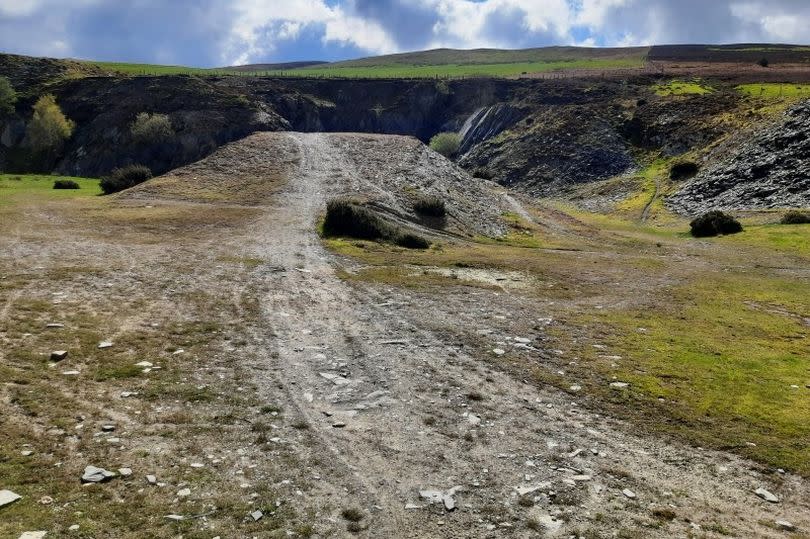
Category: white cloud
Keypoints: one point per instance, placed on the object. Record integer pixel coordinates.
(259, 25)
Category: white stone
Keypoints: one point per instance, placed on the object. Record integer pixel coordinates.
(766, 495)
(105, 344)
(629, 493)
(33, 535)
(7, 497)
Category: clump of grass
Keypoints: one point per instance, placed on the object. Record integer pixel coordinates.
(430, 206)
(411, 241)
(664, 514)
(352, 514)
(349, 218)
(795, 217)
(124, 178)
(346, 217)
(683, 170)
(65, 184)
(714, 223)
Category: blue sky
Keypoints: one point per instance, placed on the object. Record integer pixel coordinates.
(210, 33)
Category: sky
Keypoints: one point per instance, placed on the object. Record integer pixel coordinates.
(213, 33)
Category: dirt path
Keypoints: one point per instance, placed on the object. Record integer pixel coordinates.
(396, 403)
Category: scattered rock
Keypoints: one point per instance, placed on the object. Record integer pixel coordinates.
(176, 518)
(45, 500)
(256, 516)
(437, 496)
(619, 385)
(7, 497)
(498, 351)
(74, 528)
(58, 355)
(108, 428)
(71, 373)
(105, 344)
(184, 493)
(33, 535)
(26, 453)
(125, 472)
(54, 325)
(629, 494)
(92, 474)
(766, 495)
(143, 364)
(784, 525)
(151, 479)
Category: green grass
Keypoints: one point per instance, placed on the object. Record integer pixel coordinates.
(723, 352)
(31, 186)
(440, 63)
(775, 90)
(462, 70)
(679, 87)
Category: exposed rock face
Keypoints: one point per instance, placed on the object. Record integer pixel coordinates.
(487, 122)
(768, 171)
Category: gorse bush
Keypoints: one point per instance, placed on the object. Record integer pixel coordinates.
(8, 97)
(349, 218)
(124, 178)
(795, 217)
(65, 184)
(714, 223)
(151, 128)
(683, 170)
(48, 128)
(430, 206)
(446, 144)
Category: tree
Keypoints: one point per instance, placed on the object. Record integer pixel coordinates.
(764, 62)
(49, 128)
(151, 128)
(7, 97)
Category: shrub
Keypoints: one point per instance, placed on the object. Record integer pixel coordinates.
(151, 128)
(715, 223)
(764, 62)
(683, 170)
(795, 217)
(345, 217)
(7, 97)
(446, 144)
(48, 128)
(411, 241)
(124, 178)
(65, 184)
(430, 206)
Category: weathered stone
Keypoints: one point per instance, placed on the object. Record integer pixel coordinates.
(766, 495)
(629, 494)
(105, 344)
(33, 535)
(125, 472)
(93, 474)
(184, 493)
(784, 525)
(58, 355)
(7, 497)
(256, 516)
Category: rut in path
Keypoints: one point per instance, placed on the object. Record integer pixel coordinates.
(386, 398)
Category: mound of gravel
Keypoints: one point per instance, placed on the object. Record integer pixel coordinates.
(768, 170)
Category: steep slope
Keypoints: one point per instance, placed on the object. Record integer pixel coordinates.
(768, 170)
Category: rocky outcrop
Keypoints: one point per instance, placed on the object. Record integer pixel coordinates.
(487, 122)
(770, 170)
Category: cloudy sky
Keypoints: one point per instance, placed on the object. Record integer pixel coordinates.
(225, 32)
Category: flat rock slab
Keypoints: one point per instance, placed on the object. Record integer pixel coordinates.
(92, 474)
(766, 495)
(33, 535)
(7, 497)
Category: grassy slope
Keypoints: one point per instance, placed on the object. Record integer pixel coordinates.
(721, 343)
(437, 63)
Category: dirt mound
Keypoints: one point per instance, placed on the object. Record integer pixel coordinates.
(387, 172)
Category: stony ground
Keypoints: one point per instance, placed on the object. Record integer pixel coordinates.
(281, 398)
